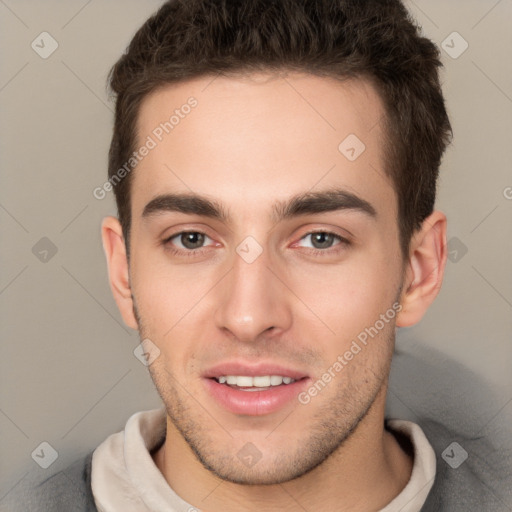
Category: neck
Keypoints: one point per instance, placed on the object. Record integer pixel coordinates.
(365, 473)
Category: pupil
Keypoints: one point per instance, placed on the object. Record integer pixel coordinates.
(192, 240)
(324, 240)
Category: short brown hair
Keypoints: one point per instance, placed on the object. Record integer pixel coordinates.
(372, 39)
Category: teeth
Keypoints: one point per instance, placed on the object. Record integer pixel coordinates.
(260, 381)
(243, 382)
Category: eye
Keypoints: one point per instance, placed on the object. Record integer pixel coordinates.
(323, 240)
(188, 240)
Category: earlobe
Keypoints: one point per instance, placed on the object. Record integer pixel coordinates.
(118, 271)
(425, 270)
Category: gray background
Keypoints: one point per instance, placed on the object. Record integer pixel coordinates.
(68, 374)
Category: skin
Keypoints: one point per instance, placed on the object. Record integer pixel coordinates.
(250, 142)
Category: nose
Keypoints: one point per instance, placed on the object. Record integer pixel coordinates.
(253, 302)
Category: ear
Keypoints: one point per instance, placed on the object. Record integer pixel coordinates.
(425, 270)
(118, 273)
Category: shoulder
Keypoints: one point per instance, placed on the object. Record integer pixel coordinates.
(69, 489)
(471, 474)
(453, 404)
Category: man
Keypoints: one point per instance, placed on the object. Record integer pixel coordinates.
(275, 168)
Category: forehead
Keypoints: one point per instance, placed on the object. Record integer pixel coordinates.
(260, 138)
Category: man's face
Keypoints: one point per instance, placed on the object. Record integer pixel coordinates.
(255, 293)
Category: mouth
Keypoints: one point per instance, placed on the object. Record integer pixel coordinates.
(254, 390)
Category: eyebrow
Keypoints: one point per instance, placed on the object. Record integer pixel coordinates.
(302, 204)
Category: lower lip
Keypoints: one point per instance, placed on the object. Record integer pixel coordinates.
(255, 403)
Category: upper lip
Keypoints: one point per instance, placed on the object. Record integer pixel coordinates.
(252, 370)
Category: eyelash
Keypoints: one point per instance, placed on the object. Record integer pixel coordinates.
(198, 252)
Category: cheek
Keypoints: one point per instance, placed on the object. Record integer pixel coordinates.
(171, 306)
(348, 297)
(160, 286)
